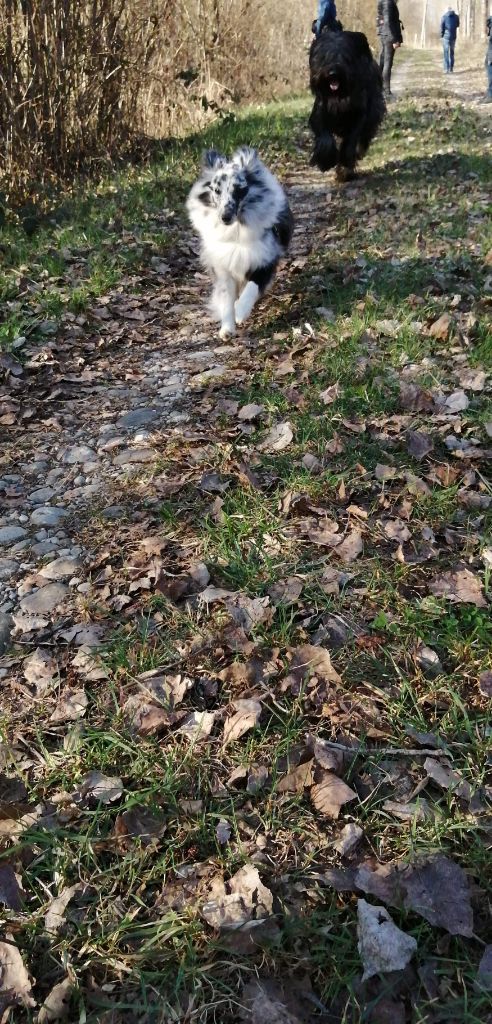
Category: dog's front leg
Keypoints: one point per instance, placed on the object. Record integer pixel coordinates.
(259, 280)
(246, 301)
(223, 298)
(349, 150)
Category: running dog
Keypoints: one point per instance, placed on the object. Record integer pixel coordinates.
(348, 100)
(245, 224)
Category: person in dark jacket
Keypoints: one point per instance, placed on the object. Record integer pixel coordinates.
(488, 61)
(449, 26)
(389, 31)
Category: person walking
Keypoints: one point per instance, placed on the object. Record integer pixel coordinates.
(389, 29)
(327, 17)
(449, 26)
(488, 60)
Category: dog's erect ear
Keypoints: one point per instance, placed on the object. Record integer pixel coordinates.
(212, 159)
(245, 157)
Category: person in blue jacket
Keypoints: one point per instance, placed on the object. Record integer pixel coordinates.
(449, 26)
(488, 61)
(327, 16)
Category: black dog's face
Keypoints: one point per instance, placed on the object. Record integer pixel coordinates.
(337, 82)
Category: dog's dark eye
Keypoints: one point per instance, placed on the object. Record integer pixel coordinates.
(205, 198)
(240, 191)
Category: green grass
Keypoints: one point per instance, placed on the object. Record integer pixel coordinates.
(130, 953)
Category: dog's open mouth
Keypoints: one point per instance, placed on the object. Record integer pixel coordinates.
(334, 84)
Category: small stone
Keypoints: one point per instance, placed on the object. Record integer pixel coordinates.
(134, 455)
(137, 418)
(79, 453)
(45, 600)
(429, 661)
(9, 534)
(349, 838)
(8, 568)
(59, 569)
(113, 512)
(6, 623)
(41, 495)
(45, 547)
(47, 515)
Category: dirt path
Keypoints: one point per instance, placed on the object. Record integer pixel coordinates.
(279, 547)
(95, 406)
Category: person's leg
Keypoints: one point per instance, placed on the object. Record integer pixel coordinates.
(387, 58)
(445, 48)
(451, 55)
(489, 78)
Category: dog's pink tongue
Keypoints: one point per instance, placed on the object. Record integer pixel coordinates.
(334, 86)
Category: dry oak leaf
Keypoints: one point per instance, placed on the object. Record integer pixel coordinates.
(71, 706)
(97, 787)
(330, 794)
(286, 591)
(446, 778)
(457, 402)
(237, 901)
(56, 1004)
(440, 328)
(437, 889)
(250, 412)
(419, 444)
(15, 987)
(40, 669)
(413, 398)
(351, 547)
(382, 946)
(297, 779)
(395, 529)
(484, 976)
(459, 587)
(55, 915)
(307, 661)
(330, 394)
(271, 1002)
(10, 890)
(198, 726)
(278, 438)
(248, 713)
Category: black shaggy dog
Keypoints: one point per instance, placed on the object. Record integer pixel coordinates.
(349, 101)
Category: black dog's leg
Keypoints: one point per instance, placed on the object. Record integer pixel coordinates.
(353, 146)
(325, 153)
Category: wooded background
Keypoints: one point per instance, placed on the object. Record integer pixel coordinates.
(84, 80)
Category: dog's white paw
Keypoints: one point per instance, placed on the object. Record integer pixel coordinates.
(227, 331)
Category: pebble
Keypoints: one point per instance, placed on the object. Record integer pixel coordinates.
(79, 453)
(6, 623)
(41, 495)
(134, 455)
(114, 512)
(9, 534)
(45, 547)
(59, 569)
(8, 567)
(137, 418)
(54, 475)
(44, 600)
(47, 515)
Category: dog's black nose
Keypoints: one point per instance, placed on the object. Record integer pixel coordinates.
(227, 218)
